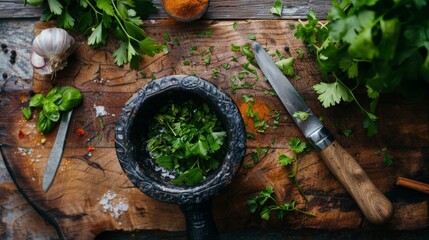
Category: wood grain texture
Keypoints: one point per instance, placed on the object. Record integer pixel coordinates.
(218, 9)
(373, 204)
(74, 203)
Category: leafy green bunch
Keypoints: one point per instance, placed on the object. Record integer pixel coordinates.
(59, 99)
(186, 137)
(265, 201)
(98, 19)
(381, 46)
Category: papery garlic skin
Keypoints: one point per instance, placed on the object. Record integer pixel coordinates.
(54, 45)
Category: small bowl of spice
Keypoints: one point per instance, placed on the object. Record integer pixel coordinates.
(185, 10)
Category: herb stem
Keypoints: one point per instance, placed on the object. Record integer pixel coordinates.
(120, 23)
(94, 9)
(370, 115)
(296, 181)
(306, 213)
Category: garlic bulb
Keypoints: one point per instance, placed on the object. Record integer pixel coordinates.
(50, 50)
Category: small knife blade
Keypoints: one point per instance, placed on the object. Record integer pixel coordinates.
(56, 151)
(312, 128)
(373, 204)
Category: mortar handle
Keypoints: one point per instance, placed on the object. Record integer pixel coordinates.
(199, 221)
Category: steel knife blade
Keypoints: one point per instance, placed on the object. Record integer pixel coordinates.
(373, 204)
(56, 151)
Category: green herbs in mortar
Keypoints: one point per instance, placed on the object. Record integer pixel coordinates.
(59, 99)
(186, 137)
(373, 45)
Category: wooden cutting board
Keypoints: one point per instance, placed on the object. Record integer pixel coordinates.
(91, 194)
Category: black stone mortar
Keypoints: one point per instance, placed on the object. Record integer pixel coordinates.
(145, 174)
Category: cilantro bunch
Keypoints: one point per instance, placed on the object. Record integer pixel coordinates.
(267, 204)
(378, 46)
(98, 19)
(186, 137)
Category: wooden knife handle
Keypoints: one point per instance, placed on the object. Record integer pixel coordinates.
(373, 204)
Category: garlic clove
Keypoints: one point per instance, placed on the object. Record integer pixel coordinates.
(36, 60)
(52, 41)
(53, 45)
(45, 70)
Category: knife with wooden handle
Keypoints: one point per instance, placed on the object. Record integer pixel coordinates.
(56, 151)
(373, 204)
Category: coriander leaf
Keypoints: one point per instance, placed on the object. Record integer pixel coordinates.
(106, 6)
(371, 126)
(331, 94)
(285, 160)
(390, 30)
(166, 37)
(165, 161)
(148, 46)
(226, 66)
(66, 20)
(131, 51)
(265, 213)
(252, 204)
(251, 37)
(235, 48)
(247, 98)
(235, 26)
(286, 66)
(388, 159)
(120, 54)
(96, 35)
(26, 112)
(347, 132)
(55, 7)
(134, 30)
(208, 59)
(195, 175)
(301, 115)
(265, 194)
(296, 145)
(277, 8)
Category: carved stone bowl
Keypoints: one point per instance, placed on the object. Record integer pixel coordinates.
(150, 178)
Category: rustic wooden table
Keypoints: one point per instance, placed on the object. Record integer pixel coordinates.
(73, 205)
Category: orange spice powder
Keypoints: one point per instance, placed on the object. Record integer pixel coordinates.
(185, 8)
(259, 107)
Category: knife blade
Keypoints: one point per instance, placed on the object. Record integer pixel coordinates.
(56, 151)
(373, 204)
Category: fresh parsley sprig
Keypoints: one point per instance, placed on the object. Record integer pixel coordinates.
(298, 147)
(266, 202)
(98, 19)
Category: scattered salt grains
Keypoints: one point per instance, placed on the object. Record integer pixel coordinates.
(112, 205)
(100, 111)
(101, 80)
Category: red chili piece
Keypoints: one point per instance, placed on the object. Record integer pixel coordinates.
(80, 132)
(21, 135)
(91, 148)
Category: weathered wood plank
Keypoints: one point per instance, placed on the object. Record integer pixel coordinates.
(103, 83)
(219, 9)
